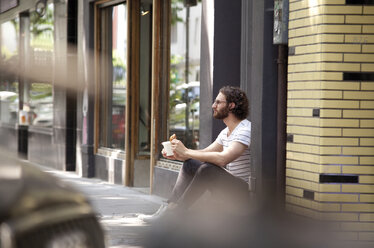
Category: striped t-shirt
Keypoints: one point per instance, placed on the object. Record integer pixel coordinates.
(240, 167)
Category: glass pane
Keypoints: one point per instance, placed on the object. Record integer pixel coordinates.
(38, 100)
(113, 76)
(145, 77)
(41, 104)
(185, 73)
(8, 78)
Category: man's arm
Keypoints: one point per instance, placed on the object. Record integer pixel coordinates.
(214, 147)
(218, 157)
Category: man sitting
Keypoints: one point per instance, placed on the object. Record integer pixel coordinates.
(223, 167)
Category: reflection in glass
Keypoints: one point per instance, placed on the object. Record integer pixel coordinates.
(41, 104)
(113, 76)
(8, 78)
(38, 100)
(185, 73)
(145, 78)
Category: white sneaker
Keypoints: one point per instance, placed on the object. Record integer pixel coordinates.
(152, 217)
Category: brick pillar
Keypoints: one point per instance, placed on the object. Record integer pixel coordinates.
(330, 114)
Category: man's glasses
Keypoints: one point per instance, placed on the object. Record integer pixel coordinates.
(218, 102)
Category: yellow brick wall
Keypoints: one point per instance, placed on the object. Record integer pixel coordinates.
(328, 38)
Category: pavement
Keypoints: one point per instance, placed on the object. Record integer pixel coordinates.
(117, 207)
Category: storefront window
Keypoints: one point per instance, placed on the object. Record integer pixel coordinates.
(38, 100)
(145, 77)
(113, 39)
(8, 76)
(185, 73)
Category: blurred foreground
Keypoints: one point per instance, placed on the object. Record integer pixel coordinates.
(38, 211)
(208, 224)
(266, 226)
(115, 207)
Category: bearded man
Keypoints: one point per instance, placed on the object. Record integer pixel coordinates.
(223, 167)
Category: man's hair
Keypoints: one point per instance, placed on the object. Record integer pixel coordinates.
(237, 96)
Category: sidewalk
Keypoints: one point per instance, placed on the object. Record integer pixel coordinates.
(117, 207)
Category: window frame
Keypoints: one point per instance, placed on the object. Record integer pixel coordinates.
(129, 154)
(100, 96)
(160, 68)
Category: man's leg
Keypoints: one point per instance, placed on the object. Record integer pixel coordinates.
(219, 182)
(185, 176)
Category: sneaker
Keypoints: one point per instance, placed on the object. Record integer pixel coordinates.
(153, 217)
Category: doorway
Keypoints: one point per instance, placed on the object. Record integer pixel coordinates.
(123, 59)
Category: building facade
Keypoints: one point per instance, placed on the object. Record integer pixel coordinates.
(95, 86)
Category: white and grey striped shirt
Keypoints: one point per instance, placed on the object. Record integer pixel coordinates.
(241, 166)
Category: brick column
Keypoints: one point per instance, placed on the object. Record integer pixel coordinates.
(330, 114)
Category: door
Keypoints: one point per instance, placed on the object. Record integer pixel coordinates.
(123, 39)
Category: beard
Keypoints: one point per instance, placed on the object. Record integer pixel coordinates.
(221, 114)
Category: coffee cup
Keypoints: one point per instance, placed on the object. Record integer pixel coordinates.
(167, 147)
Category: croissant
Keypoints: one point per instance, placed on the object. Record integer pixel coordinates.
(173, 137)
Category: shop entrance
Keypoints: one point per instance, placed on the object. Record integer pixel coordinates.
(123, 55)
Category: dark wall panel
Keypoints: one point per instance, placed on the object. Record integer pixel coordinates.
(101, 168)
(42, 150)
(227, 45)
(164, 181)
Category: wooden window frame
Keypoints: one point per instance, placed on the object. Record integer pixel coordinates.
(160, 81)
(131, 63)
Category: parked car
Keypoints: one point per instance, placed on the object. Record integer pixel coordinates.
(43, 115)
(8, 107)
(39, 211)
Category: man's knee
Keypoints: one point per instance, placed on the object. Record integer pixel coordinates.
(207, 169)
(190, 166)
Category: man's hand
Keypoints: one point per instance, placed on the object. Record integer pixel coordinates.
(166, 156)
(180, 151)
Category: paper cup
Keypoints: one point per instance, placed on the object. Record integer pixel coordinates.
(167, 147)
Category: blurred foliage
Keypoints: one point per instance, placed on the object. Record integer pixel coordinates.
(178, 98)
(41, 24)
(117, 60)
(175, 80)
(176, 6)
(40, 90)
(6, 53)
(15, 23)
(119, 70)
(41, 28)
